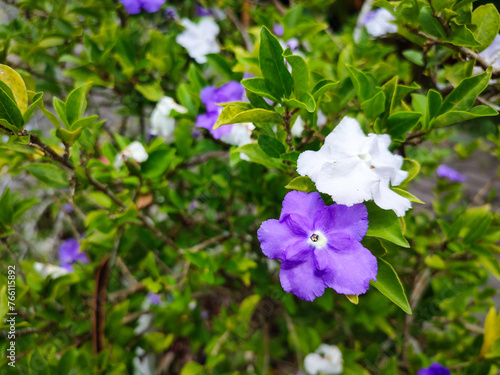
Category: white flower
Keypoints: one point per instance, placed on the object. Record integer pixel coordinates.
(161, 124)
(492, 53)
(199, 39)
(298, 127)
(134, 151)
(240, 134)
(321, 119)
(49, 269)
(378, 23)
(326, 360)
(353, 167)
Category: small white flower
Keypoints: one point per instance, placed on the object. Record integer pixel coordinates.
(240, 134)
(353, 167)
(134, 151)
(326, 359)
(161, 124)
(199, 39)
(321, 119)
(378, 23)
(298, 127)
(49, 269)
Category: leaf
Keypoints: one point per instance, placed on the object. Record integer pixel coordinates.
(491, 332)
(384, 224)
(257, 100)
(407, 195)
(487, 19)
(454, 117)
(6, 211)
(49, 174)
(4, 303)
(272, 65)
(462, 36)
(16, 84)
(8, 108)
(38, 362)
(222, 67)
(301, 183)
(323, 86)
(389, 285)
(300, 73)
(271, 146)
(429, 23)
(151, 91)
(363, 85)
(374, 106)
(76, 103)
(400, 123)
(60, 108)
(412, 167)
(352, 298)
(68, 136)
(233, 114)
(260, 87)
(34, 103)
(192, 368)
(306, 102)
(256, 155)
(157, 164)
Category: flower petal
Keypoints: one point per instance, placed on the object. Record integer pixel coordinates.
(304, 204)
(347, 138)
(351, 221)
(302, 279)
(348, 181)
(309, 163)
(347, 270)
(274, 238)
(384, 161)
(387, 199)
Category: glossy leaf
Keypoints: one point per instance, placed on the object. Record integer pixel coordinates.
(384, 224)
(49, 174)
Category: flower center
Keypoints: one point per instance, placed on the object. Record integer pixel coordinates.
(317, 239)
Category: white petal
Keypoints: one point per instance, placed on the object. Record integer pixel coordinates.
(386, 163)
(161, 125)
(315, 364)
(321, 119)
(310, 163)
(298, 127)
(49, 269)
(136, 151)
(347, 138)
(240, 134)
(387, 199)
(348, 181)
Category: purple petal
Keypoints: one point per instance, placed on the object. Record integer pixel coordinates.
(434, 369)
(337, 218)
(68, 250)
(207, 95)
(68, 267)
(349, 269)
(446, 172)
(154, 298)
(171, 13)
(274, 238)
(305, 204)
(202, 11)
(132, 6)
(232, 91)
(302, 279)
(208, 120)
(278, 29)
(152, 6)
(293, 44)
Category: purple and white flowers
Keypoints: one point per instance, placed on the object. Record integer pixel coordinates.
(235, 134)
(199, 39)
(434, 369)
(353, 168)
(135, 6)
(319, 246)
(444, 171)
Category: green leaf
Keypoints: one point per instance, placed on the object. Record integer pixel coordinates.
(192, 368)
(6, 211)
(384, 224)
(66, 362)
(464, 95)
(260, 87)
(151, 91)
(429, 23)
(49, 174)
(487, 19)
(68, 136)
(4, 302)
(76, 103)
(271, 146)
(256, 155)
(159, 341)
(462, 36)
(8, 108)
(389, 285)
(400, 123)
(301, 183)
(272, 65)
(257, 101)
(407, 195)
(416, 57)
(20, 207)
(222, 67)
(374, 106)
(157, 163)
(323, 86)
(434, 103)
(16, 84)
(453, 117)
(34, 103)
(459, 71)
(300, 73)
(354, 299)
(362, 83)
(38, 362)
(233, 114)
(60, 108)
(306, 102)
(412, 167)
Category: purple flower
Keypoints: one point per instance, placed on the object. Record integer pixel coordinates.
(154, 298)
(278, 29)
(68, 208)
(210, 97)
(69, 253)
(171, 13)
(319, 246)
(444, 171)
(135, 6)
(434, 369)
(201, 11)
(293, 44)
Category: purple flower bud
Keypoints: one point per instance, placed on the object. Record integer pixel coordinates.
(69, 253)
(201, 11)
(434, 369)
(278, 29)
(446, 172)
(154, 298)
(171, 13)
